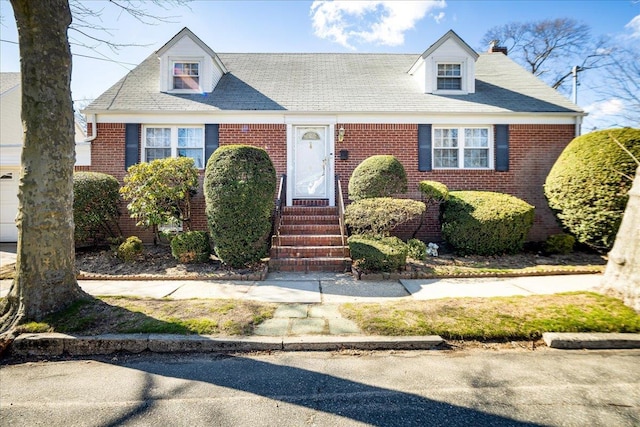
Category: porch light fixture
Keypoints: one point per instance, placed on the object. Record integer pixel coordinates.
(341, 134)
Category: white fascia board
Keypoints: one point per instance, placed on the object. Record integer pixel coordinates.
(185, 117)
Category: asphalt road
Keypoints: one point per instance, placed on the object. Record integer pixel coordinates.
(413, 388)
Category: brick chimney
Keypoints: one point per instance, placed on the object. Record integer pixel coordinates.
(494, 48)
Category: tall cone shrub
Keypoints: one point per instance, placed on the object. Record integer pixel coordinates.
(239, 189)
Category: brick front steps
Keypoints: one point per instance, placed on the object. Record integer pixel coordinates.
(309, 240)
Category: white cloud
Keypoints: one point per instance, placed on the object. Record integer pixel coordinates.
(634, 26)
(438, 18)
(380, 22)
(602, 109)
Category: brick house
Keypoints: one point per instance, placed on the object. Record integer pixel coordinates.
(469, 120)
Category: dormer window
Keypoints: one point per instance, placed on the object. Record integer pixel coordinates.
(186, 75)
(449, 77)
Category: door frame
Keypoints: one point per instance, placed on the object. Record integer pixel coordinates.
(329, 151)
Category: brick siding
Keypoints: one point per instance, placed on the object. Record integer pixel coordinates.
(533, 150)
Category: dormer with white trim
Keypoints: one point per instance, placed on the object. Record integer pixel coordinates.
(447, 67)
(188, 65)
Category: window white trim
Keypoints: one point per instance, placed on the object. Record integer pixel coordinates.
(173, 140)
(462, 146)
(464, 70)
(170, 76)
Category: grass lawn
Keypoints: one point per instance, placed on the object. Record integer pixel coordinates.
(498, 318)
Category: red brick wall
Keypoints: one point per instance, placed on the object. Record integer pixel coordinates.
(533, 149)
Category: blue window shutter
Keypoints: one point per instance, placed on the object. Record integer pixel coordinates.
(502, 148)
(132, 143)
(424, 148)
(211, 140)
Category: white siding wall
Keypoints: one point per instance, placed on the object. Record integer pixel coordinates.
(186, 50)
(450, 51)
(10, 121)
(11, 132)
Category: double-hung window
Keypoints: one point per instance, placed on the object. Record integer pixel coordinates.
(461, 148)
(174, 141)
(186, 75)
(449, 76)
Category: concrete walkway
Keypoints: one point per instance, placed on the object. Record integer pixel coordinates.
(308, 303)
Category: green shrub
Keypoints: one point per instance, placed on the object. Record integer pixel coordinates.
(130, 249)
(160, 192)
(433, 191)
(417, 249)
(240, 185)
(191, 246)
(95, 207)
(378, 254)
(377, 176)
(378, 216)
(587, 186)
(559, 244)
(485, 223)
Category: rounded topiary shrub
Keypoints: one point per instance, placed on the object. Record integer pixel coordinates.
(587, 186)
(239, 188)
(485, 223)
(433, 191)
(559, 244)
(377, 176)
(379, 215)
(191, 247)
(95, 207)
(378, 254)
(130, 249)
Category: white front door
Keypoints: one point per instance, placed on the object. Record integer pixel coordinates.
(311, 163)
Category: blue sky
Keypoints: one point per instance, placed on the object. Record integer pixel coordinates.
(319, 26)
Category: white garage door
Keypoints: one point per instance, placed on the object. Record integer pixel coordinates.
(8, 204)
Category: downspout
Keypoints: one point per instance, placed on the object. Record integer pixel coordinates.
(578, 126)
(94, 129)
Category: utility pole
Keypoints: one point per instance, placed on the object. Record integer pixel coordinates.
(574, 72)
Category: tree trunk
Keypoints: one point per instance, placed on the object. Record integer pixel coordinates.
(45, 279)
(622, 275)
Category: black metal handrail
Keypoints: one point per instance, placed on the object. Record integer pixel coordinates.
(340, 203)
(281, 201)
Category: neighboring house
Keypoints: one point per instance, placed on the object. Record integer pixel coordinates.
(469, 120)
(11, 151)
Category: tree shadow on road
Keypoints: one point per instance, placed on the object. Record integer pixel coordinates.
(375, 406)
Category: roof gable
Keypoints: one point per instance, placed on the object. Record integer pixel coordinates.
(186, 32)
(450, 35)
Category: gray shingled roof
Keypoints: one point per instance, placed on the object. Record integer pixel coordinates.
(329, 82)
(8, 81)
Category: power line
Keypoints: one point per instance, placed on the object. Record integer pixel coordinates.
(85, 56)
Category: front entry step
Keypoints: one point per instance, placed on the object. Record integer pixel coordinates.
(309, 240)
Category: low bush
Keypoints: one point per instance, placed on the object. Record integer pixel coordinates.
(559, 244)
(130, 249)
(240, 186)
(433, 191)
(378, 254)
(485, 223)
(191, 247)
(417, 249)
(95, 207)
(378, 216)
(377, 176)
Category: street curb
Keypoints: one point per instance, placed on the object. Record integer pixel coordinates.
(56, 344)
(591, 341)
